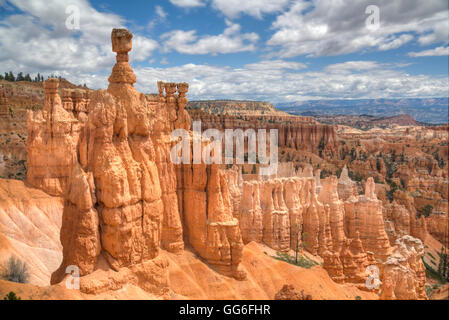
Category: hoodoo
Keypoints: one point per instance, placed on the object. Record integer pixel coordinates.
(107, 153)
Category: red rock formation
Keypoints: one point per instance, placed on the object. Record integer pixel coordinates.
(52, 143)
(276, 232)
(333, 265)
(364, 215)
(250, 217)
(300, 133)
(398, 218)
(329, 196)
(125, 172)
(403, 275)
(438, 226)
(4, 107)
(210, 226)
(109, 156)
(354, 260)
(346, 187)
(288, 292)
(295, 207)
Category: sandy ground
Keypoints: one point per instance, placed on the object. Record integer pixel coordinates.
(190, 278)
(30, 223)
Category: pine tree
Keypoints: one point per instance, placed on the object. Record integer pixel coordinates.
(11, 76)
(441, 264)
(11, 296)
(20, 77)
(445, 266)
(28, 77)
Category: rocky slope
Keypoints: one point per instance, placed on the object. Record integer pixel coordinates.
(235, 108)
(190, 278)
(30, 223)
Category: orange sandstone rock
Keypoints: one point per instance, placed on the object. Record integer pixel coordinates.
(404, 272)
(288, 292)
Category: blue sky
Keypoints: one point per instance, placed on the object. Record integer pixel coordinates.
(284, 50)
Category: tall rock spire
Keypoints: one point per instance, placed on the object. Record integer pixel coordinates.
(122, 44)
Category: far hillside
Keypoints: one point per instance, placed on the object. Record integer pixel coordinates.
(366, 122)
(427, 110)
(235, 107)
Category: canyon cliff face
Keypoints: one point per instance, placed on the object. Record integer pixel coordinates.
(207, 213)
(299, 133)
(365, 216)
(52, 143)
(108, 154)
(404, 274)
(4, 109)
(349, 235)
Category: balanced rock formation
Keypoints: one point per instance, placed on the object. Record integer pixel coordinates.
(120, 186)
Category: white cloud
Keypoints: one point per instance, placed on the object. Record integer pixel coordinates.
(230, 41)
(38, 40)
(161, 13)
(188, 3)
(327, 27)
(160, 16)
(255, 8)
(352, 66)
(283, 81)
(439, 51)
(234, 8)
(270, 65)
(396, 42)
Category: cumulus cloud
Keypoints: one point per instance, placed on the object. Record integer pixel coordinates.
(282, 81)
(38, 40)
(188, 3)
(270, 65)
(234, 8)
(327, 27)
(438, 51)
(230, 41)
(255, 8)
(352, 66)
(161, 13)
(160, 16)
